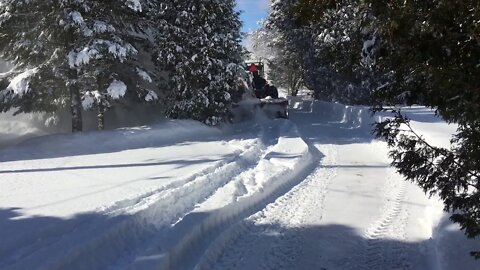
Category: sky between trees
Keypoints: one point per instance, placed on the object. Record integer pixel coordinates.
(252, 12)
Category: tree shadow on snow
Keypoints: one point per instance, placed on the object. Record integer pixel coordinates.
(30, 241)
(335, 247)
(178, 163)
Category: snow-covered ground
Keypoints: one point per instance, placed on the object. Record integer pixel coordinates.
(312, 192)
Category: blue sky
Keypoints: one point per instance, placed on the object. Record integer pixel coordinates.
(253, 11)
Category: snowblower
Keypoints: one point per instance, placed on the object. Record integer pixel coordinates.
(267, 95)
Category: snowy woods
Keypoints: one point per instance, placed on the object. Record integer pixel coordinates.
(390, 53)
(93, 55)
(186, 56)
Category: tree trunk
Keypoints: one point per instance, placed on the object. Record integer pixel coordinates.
(72, 84)
(101, 117)
(76, 108)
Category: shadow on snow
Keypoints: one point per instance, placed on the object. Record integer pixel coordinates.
(51, 241)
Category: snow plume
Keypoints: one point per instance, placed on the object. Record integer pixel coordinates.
(19, 85)
(52, 121)
(117, 89)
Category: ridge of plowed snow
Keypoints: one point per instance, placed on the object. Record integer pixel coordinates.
(168, 214)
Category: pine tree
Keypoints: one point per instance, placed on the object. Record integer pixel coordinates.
(69, 53)
(121, 68)
(199, 47)
(27, 30)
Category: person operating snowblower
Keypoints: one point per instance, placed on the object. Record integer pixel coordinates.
(270, 103)
(259, 85)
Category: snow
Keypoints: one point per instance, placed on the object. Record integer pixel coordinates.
(76, 17)
(14, 129)
(135, 5)
(102, 27)
(151, 96)
(117, 89)
(144, 75)
(83, 57)
(312, 192)
(88, 101)
(19, 85)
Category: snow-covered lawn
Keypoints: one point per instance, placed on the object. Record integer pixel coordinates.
(312, 192)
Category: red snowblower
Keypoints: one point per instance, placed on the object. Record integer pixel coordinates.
(267, 95)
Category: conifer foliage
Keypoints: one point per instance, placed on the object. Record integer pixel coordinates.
(69, 53)
(95, 54)
(200, 49)
(284, 68)
(391, 53)
(430, 53)
(324, 38)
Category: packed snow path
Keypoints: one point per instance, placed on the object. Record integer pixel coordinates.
(313, 192)
(352, 212)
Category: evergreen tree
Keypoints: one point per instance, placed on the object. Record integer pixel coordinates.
(284, 69)
(122, 69)
(69, 52)
(430, 53)
(325, 39)
(199, 47)
(402, 52)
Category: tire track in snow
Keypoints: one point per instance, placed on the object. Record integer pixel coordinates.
(130, 222)
(155, 219)
(281, 221)
(248, 158)
(382, 248)
(197, 244)
(133, 223)
(304, 205)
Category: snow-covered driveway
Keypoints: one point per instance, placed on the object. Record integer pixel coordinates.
(312, 192)
(352, 212)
